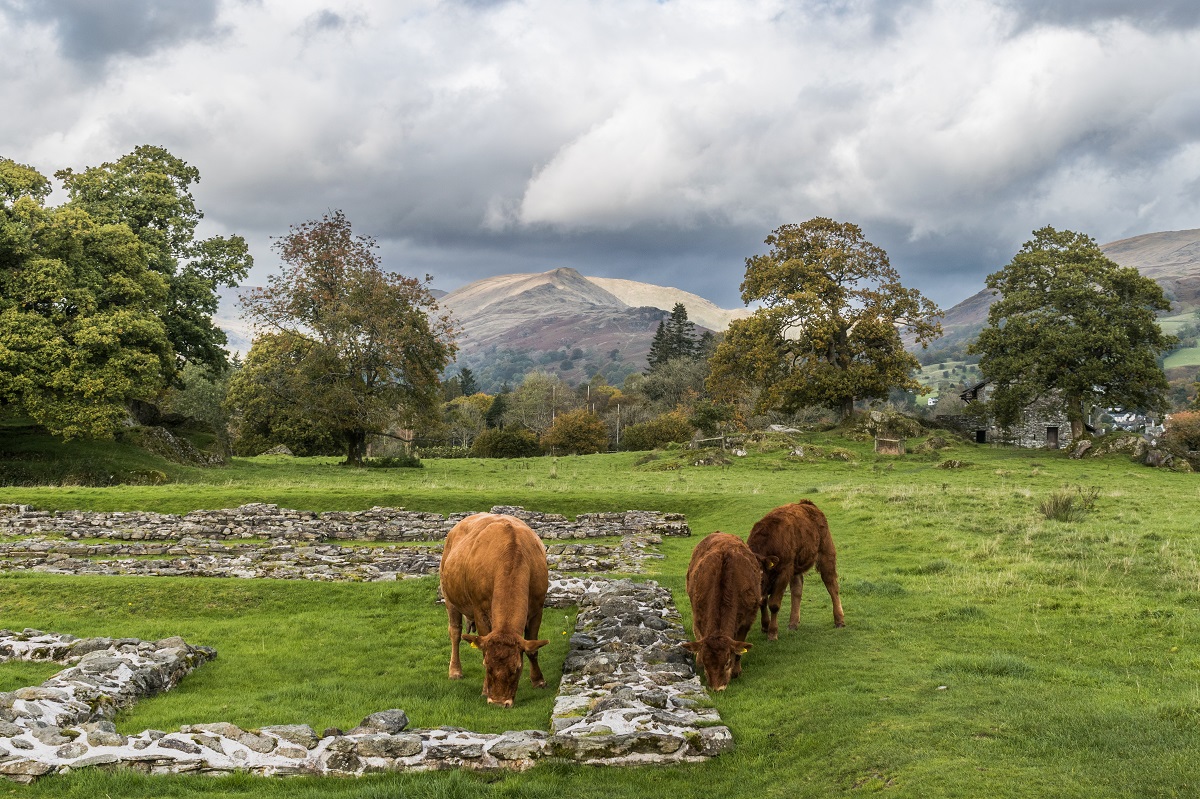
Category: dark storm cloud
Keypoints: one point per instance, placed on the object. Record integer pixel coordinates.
(91, 32)
(1154, 14)
(654, 141)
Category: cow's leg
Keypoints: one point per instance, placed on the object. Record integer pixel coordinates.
(828, 569)
(531, 634)
(773, 604)
(797, 592)
(455, 627)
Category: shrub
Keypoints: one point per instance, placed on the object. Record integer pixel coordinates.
(1183, 433)
(508, 442)
(401, 461)
(1066, 505)
(577, 432)
(656, 433)
(443, 452)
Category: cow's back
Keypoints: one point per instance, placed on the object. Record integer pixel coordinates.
(482, 558)
(723, 582)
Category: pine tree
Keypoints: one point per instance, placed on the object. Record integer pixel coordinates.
(675, 338)
(466, 380)
(659, 348)
(681, 333)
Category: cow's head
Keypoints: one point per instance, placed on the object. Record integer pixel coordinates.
(716, 655)
(503, 659)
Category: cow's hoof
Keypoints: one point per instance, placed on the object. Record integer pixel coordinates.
(772, 636)
(539, 683)
(839, 624)
(795, 626)
(456, 675)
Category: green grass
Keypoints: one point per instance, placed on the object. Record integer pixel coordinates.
(1173, 324)
(989, 651)
(1184, 357)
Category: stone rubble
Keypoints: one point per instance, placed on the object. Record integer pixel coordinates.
(629, 695)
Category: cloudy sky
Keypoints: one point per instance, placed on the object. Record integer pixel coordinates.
(655, 141)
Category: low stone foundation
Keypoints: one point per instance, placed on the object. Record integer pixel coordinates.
(260, 520)
(629, 695)
(150, 546)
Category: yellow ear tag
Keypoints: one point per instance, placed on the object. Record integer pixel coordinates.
(744, 651)
(474, 645)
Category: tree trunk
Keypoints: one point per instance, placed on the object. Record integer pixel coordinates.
(847, 409)
(1075, 416)
(356, 447)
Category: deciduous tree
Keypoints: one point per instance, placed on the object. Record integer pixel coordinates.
(267, 400)
(149, 190)
(376, 344)
(829, 329)
(576, 432)
(1069, 321)
(80, 334)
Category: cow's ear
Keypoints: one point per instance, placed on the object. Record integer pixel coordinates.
(767, 561)
(531, 647)
(473, 640)
(742, 647)
(691, 646)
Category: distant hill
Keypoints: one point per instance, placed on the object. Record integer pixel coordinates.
(1171, 259)
(565, 323)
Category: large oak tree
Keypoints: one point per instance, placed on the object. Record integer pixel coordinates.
(1071, 323)
(149, 190)
(81, 334)
(366, 346)
(828, 331)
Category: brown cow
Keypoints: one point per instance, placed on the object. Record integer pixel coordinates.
(795, 536)
(723, 582)
(494, 573)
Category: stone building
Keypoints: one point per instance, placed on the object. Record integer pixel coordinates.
(1044, 424)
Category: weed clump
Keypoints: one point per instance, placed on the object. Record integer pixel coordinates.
(403, 461)
(1066, 505)
(953, 463)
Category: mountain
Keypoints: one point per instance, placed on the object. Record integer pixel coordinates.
(704, 313)
(565, 323)
(1170, 258)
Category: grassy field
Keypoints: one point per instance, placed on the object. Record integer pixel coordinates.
(988, 650)
(1184, 357)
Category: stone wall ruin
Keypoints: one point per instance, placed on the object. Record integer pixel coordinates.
(629, 694)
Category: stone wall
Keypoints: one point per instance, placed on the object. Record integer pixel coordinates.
(628, 696)
(260, 520)
(163, 545)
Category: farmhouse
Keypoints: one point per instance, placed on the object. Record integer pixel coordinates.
(1043, 424)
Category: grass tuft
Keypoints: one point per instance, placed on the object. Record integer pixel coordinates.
(1066, 505)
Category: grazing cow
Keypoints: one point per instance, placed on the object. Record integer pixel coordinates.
(724, 580)
(795, 536)
(494, 573)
